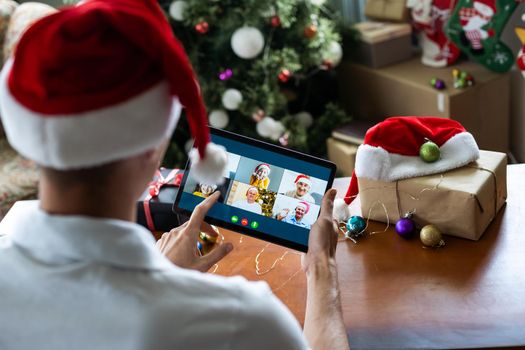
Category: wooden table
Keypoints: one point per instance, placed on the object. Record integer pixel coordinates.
(397, 295)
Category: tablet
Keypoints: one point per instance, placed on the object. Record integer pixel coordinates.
(269, 192)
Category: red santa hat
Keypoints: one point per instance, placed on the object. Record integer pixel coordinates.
(100, 82)
(305, 205)
(390, 151)
(261, 166)
(304, 179)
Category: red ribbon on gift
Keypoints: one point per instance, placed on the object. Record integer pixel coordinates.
(173, 179)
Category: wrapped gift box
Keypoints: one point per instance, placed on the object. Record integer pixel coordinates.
(461, 202)
(157, 202)
(387, 10)
(379, 44)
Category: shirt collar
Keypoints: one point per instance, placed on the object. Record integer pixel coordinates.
(82, 238)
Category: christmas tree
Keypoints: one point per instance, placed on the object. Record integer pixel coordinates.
(265, 68)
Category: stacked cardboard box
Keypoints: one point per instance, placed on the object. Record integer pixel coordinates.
(403, 89)
(379, 44)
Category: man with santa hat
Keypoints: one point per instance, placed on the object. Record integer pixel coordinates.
(93, 94)
(297, 217)
(303, 184)
(472, 20)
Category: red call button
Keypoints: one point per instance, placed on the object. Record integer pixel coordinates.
(244, 221)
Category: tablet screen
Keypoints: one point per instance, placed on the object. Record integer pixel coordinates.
(267, 192)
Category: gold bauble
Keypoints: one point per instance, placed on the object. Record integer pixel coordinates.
(431, 236)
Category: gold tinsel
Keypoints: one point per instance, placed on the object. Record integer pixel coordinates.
(267, 199)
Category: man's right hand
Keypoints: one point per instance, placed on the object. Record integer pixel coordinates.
(282, 214)
(323, 235)
(323, 326)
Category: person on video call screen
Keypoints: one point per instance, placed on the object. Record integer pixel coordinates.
(250, 203)
(303, 185)
(296, 217)
(204, 190)
(260, 177)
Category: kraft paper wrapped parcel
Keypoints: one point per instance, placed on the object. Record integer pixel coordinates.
(461, 202)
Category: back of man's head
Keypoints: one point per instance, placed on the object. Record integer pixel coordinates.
(98, 83)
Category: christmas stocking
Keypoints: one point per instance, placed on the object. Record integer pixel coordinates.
(430, 17)
(475, 27)
(520, 61)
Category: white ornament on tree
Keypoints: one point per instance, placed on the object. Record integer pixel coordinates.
(247, 42)
(270, 128)
(265, 126)
(318, 2)
(231, 99)
(219, 118)
(334, 53)
(177, 9)
(304, 119)
(278, 131)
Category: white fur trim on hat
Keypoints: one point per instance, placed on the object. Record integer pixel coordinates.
(305, 180)
(484, 9)
(209, 170)
(90, 138)
(260, 166)
(377, 164)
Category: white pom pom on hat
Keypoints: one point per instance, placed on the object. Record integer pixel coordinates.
(72, 100)
(209, 171)
(341, 210)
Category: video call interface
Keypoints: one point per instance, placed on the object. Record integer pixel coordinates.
(259, 193)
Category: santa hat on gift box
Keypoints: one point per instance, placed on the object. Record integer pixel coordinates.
(390, 151)
(304, 179)
(100, 82)
(304, 205)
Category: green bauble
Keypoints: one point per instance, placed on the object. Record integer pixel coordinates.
(429, 152)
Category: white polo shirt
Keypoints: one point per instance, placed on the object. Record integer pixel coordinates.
(73, 282)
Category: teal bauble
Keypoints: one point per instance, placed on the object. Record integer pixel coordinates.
(356, 224)
(429, 152)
